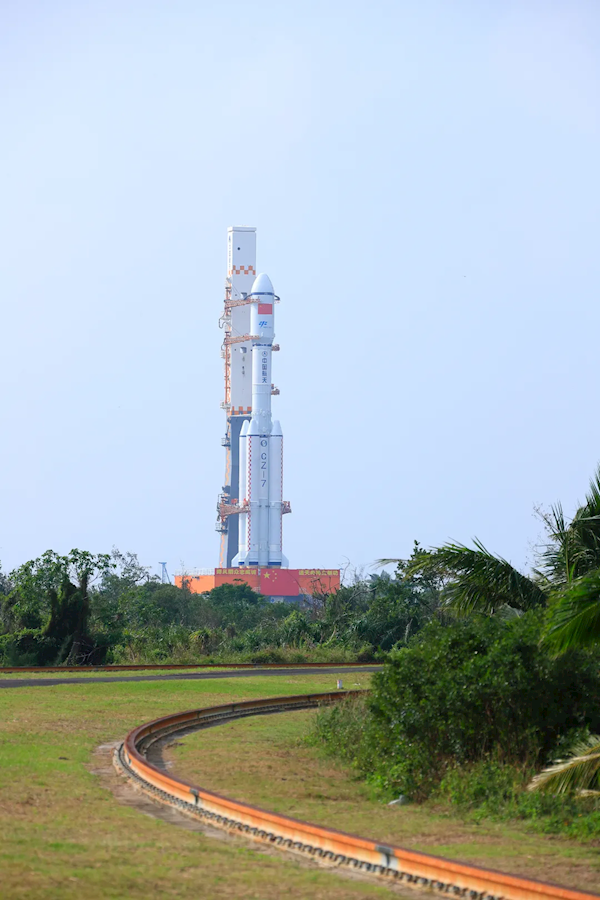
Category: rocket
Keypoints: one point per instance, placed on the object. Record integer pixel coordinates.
(261, 447)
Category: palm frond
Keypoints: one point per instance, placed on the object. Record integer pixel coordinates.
(574, 615)
(573, 548)
(480, 580)
(486, 582)
(578, 773)
(554, 561)
(592, 499)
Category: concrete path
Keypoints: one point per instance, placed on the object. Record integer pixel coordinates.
(190, 676)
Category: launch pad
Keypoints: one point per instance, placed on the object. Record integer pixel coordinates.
(275, 583)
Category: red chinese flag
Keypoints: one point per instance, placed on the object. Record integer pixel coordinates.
(279, 581)
(265, 309)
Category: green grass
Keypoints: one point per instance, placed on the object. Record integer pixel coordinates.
(268, 762)
(64, 835)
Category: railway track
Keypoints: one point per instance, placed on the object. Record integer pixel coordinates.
(326, 845)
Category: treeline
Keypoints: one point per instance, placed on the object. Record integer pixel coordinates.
(86, 609)
(495, 707)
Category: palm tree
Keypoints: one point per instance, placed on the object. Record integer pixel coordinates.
(574, 609)
(479, 581)
(566, 581)
(574, 614)
(475, 580)
(573, 549)
(580, 772)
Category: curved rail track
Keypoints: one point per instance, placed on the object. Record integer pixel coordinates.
(396, 864)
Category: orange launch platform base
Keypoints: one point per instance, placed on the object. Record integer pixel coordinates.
(271, 582)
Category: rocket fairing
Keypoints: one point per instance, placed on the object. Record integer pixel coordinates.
(261, 447)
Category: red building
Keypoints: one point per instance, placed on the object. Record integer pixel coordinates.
(288, 584)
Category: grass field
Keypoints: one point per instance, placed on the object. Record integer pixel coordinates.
(64, 834)
(266, 761)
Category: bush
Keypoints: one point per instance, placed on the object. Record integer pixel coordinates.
(345, 728)
(477, 690)
(489, 789)
(485, 784)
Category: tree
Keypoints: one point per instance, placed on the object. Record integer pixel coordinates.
(427, 575)
(394, 613)
(573, 548)
(5, 585)
(238, 605)
(566, 581)
(574, 614)
(113, 597)
(480, 688)
(476, 580)
(50, 603)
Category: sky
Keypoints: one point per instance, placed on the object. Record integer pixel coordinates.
(424, 181)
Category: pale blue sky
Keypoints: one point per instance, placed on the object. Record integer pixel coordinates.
(424, 180)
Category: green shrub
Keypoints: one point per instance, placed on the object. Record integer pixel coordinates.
(141, 648)
(31, 647)
(486, 783)
(475, 690)
(344, 728)
(489, 789)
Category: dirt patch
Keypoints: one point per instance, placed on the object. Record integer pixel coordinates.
(126, 792)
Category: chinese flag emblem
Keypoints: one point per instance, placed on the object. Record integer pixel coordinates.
(265, 309)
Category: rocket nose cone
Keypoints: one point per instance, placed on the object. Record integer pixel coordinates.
(276, 429)
(262, 285)
(244, 428)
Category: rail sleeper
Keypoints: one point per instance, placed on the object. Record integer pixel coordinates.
(336, 847)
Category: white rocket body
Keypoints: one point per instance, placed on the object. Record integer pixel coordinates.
(261, 447)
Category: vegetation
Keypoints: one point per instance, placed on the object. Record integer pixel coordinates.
(46, 608)
(481, 689)
(579, 773)
(279, 770)
(565, 579)
(66, 835)
(492, 674)
(86, 610)
(477, 708)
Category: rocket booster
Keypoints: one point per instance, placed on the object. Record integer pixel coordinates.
(261, 447)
